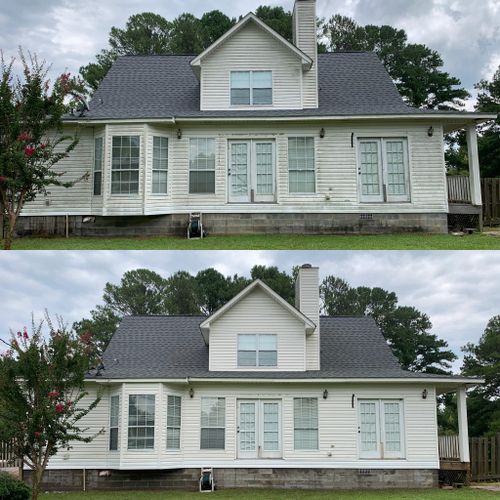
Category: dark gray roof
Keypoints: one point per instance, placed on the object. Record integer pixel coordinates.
(166, 347)
(141, 87)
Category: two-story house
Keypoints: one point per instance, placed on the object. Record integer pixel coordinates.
(264, 393)
(260, 135)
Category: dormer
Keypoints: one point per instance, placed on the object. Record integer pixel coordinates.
(258, 330)
(251, 67)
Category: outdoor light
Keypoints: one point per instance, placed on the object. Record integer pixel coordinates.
(322, 133)
(430, 132)
(191, 392)
(424, 394)
(179, 133)
(353, 399)
(325, 393)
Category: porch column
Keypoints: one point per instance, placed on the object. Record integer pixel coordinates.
(474, 174)
(463, 430)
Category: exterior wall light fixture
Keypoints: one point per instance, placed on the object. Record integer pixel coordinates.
(322, 133)
(179, 133)
(430, 132)
(424, 394)
(191, 392)
(325, 393)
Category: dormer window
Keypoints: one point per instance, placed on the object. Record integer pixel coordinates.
(257, 351)
(251, 88)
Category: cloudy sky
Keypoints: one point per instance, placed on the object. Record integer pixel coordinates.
(458, 290)
(68, 33)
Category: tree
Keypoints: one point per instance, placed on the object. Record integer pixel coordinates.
(214, 25)
(405, 328)
(187, 35)
(41, 393)
(277, 18)
(182, 294)
(31, 143)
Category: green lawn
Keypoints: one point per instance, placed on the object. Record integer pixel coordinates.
(413, 241)
(248, 494)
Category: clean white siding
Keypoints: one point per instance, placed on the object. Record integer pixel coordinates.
(257, 313)
(251, 48)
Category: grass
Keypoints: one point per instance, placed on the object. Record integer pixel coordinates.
(248, 494)
(410, 241)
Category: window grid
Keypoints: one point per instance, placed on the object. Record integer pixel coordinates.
(257, 351)
(301, 170)
(305, 423)
(271, 426)
(247, 426)
(396, 178)
(392, 427)
(98, 156)
(213, 423)
(202, 165)
(251, 88)
(239, 168)
(114, 422)
(141, 422)
(125, 164)
(264, 161)
(160, 165)
(370, 181)
(173, 422)
(368, 426)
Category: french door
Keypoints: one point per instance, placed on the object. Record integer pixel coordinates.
(259, 429)
(251, 171)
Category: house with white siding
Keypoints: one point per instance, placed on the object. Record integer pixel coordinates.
(263, 393)
(259, 135)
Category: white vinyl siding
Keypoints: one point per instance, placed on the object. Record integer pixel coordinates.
(257, 350)
(160, 165)
(98, 161)
(202, 165)
(305, 423)
(125, 161)
(114, 422)
(301, 175)
(251, 88)
(213, 423)
(173, 422)
(141, 422)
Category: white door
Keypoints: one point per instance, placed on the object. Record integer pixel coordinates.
(370, 171)
(259, 429)
(251, 171)
(369, 432)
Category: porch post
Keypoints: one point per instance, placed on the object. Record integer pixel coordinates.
(474, 174)
(463, 430)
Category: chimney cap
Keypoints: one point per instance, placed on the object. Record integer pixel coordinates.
(306, 266)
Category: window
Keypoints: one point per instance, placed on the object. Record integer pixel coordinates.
(305, 423)
(383, 170)
(98, 155)
(160, 165)
(301, 176)
(114, 422)
(173, 422)
(251, 88)
(213, 423)
(125, 165)
(202, 166)
(380, 429)
(141, 422)
(257, 350)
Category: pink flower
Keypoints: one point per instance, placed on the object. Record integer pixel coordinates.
(25, 333)
(86, 337)
(19, 334)
(60, 407)
(54, 394)
(29, 151)
(69, 403)
(24, 137)
(38, 434)
(43, 146)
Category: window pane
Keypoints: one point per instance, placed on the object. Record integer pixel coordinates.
(396, 181)
(125, 165)
(113, 439)
(268, 358)
(247, 358)
(202, 182)
(392, 425)
(159, 182)
(97, 183)
(173, 439)
(262, 79)
(301, 165)
(305, 423)
(368, 425)
(240, 97)
(262, 97)
(370, 180)
(267, 342)
(212, 439)
(240, 79)
(202, 165)
(264, 164)
(247, 342)
(141, 422)
(271, 426)
(213, 412)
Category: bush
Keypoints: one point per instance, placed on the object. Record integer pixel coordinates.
(13, 489)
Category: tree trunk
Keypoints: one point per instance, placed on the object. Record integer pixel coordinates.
(37, 482)
(9, 231)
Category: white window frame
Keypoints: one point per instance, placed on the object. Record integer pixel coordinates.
(159, 170)
(98, 166)
(194, 161)
(381, 452)
(117, 426)
(129, 448)
(251, 88)
(257, 350)
(312, 427)
(313, 170)
(170, 425)
(383, 196)
(204, 425)
(129, 170)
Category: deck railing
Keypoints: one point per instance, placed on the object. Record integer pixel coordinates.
(449, 448)
(458, 189)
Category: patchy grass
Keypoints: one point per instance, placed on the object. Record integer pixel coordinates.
(411, 241)
(249, 494)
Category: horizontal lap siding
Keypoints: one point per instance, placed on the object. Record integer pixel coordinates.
(258, 313)
(251, 49)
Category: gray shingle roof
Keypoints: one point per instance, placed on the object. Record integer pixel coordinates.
(141, 87)
(163, 347)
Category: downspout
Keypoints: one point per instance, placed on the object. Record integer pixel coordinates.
(84, 479)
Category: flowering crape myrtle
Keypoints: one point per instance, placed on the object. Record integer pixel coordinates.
(42, 393)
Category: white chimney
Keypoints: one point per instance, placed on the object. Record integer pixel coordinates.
(304, 37)
(307, 302)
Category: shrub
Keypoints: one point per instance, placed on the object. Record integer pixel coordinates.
(13, 489)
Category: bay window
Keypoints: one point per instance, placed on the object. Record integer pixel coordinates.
(173, 422)
(114, 422)
(141, 422)
(160, 165)
(98, 161)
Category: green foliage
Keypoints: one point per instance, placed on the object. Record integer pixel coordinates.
(214, 24)
(41, 393)
(277, 18)
(405, 328)
(281, 282)
(12, 488)
(30, 114)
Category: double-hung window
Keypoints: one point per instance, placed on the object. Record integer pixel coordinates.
(173, 422)
(98, 161)
(383, 170)
(160, 165)
(257, 351)
(380, 428)
(301, 174)
(251, 88)
(125, 164)
(213, 423)
(202, 165)
(141, 422)
(114, 422)
(305, 423)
